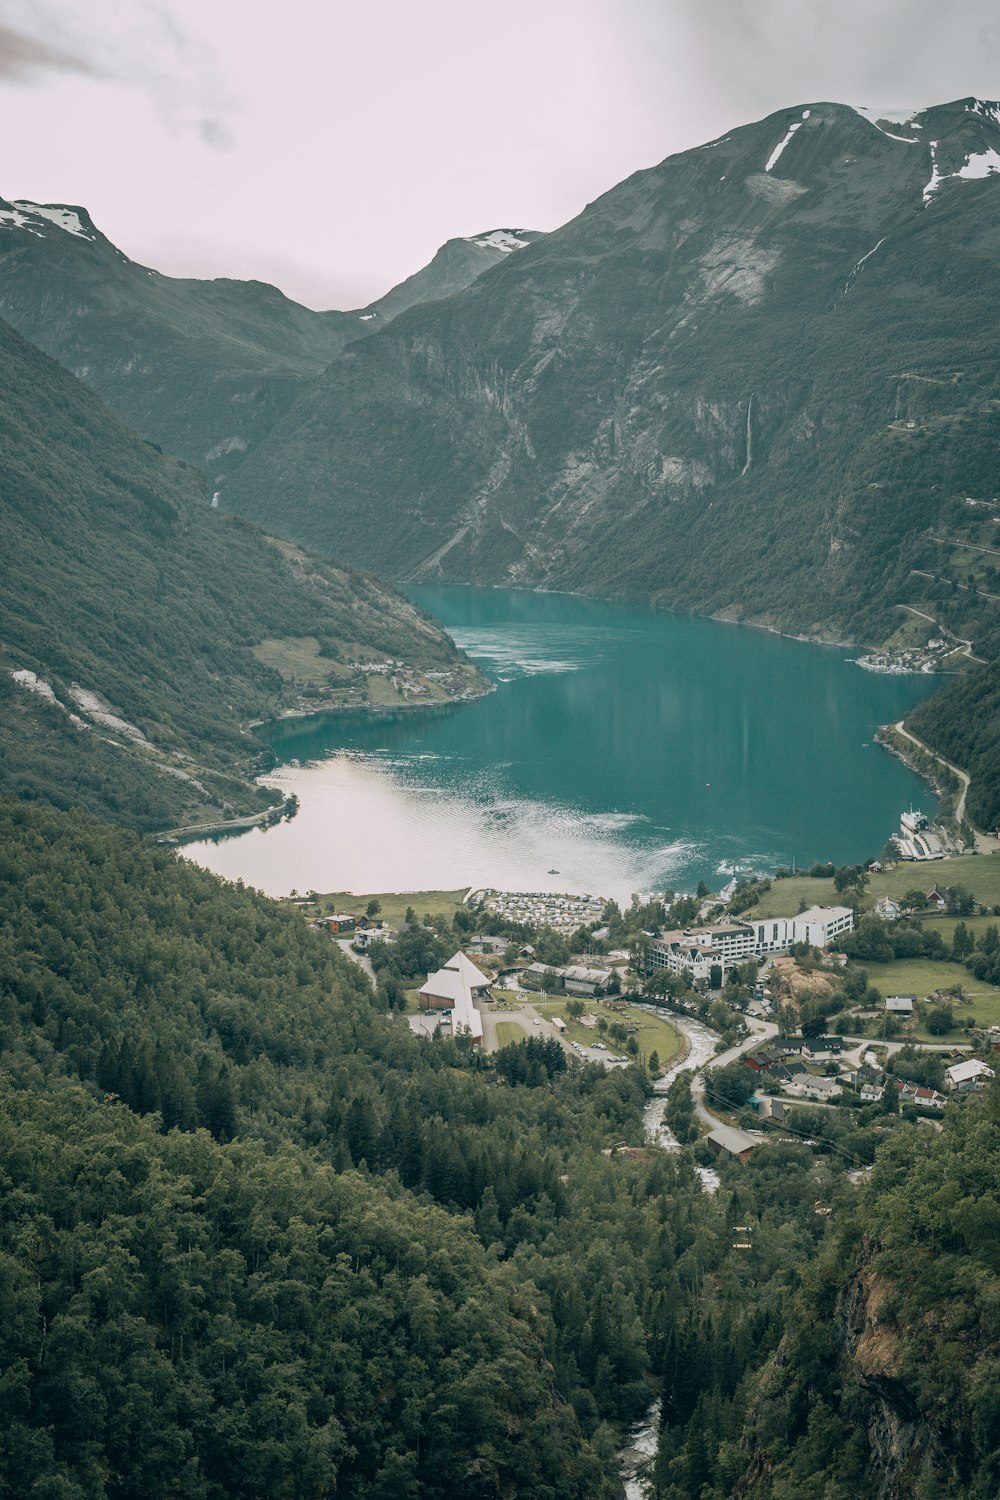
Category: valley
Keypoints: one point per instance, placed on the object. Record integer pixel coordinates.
(639, 1132)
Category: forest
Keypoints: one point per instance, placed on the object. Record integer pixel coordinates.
(258, 1240)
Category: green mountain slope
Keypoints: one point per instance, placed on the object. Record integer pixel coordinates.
(147, 629)
(963, 724)
(187, 1315)
(204, 368)
(257, 1240)
(748, 381)
(885, 1382)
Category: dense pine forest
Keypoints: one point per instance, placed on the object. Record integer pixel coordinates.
(260, 1241)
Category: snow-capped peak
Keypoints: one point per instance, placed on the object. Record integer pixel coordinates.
(23, 214)
(501, 239)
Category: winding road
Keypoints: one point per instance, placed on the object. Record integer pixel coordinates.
(986, 843)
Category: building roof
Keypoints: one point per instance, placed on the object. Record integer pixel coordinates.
(728, 1138)
(455, 984)
(824, 914)
(825, 1085)
(473, 977)
(584, 975)
(964, 1072)
(901, 1004)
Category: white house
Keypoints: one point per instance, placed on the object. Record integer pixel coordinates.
(965, 1076)
(806, 1086)
(900, 1005)
(456, 987)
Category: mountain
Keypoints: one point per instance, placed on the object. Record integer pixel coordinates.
(455, 266)
(757, 380)
(141, 630)
(203, 368)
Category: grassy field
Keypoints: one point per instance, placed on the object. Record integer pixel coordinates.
(297, 658)
(946, 925)
(394, 903)
(978, 873)
(509, 1031)
(920, 976)
(655, 1033)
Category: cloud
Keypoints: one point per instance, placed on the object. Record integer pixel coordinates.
(217, 135)
(23, 58)
(141, 44)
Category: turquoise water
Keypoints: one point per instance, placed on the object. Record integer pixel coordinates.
(622, 750)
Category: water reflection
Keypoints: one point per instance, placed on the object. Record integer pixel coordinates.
(622, 748)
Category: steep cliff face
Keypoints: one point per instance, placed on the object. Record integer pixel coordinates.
(905, 1449)
(884, 1386)
(697, 391)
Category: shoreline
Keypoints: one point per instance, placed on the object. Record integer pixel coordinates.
(195, 832)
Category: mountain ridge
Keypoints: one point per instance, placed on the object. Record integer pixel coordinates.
(142, 630)
(699, 336)
(202, 367)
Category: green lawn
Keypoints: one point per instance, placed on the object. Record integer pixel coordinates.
(509, 1031)
(946, 925)
(919, 976)
(655, 1033)
(393, 903)
(412, 1001)
(978, 873)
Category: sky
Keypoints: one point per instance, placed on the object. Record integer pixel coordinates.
(331, 147)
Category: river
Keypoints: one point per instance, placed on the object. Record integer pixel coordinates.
(624, 749)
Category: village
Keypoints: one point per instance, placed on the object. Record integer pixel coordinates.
(796, 1024)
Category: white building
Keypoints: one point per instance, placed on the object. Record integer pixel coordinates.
(965, 1076)
(805, 1086)
(696, 950)
(456, 988)
(821, 924)
(900, 1005)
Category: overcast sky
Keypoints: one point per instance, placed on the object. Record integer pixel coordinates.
(330, 147)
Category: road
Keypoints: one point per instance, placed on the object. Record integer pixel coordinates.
(760, 1031)
(361, 959)
(985, 843)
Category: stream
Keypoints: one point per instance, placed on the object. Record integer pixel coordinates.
(638, 1455)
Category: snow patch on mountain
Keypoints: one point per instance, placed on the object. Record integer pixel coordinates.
(877, 117)
(17, 220)
(797, 125)
(977, 165)
(23, 212)
(501, 239)
(773, 158)
(986, 108)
